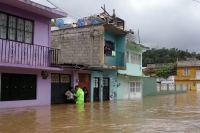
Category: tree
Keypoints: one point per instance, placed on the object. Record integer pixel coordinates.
(163, 55)
(53, 23)
(165, 72)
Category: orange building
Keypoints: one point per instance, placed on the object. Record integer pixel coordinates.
(188, 72)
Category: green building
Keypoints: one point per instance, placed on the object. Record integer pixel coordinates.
(130, 82)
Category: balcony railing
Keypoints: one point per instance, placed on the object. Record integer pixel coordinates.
(28, 54)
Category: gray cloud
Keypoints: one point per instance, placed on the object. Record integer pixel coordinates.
(171, 23)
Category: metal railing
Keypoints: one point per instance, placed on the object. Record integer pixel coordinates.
(28, 54)
(172, 87)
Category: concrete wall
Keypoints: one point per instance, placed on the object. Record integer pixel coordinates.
(121, 88)
(149, 86)
(83, 45)
(133, 69)
(112, 75)
(43, 85)
(191, 80)
(43, 89)
(119, 45)
(42, 25)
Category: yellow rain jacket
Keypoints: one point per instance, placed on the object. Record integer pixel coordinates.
(79, 96)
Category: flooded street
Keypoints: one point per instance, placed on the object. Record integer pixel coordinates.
(170, 113)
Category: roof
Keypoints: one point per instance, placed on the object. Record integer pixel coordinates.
(35, 8)
(114, 29)
(131, 40)
(137, 44)
(108, 27)
(190, 63)
(159, 65)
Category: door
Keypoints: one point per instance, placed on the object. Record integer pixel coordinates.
(84, 81)
(96, 89)
(60, 83)
(125, 89)
(106, 89)
(135, 90)
(5, 87)
(198, 86)
(18, 87)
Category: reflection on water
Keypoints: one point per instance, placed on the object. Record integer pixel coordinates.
(170, 113)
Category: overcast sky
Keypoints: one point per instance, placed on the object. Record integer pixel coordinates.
(162, 23)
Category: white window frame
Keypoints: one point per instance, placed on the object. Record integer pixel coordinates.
(135, 58)
(197, 73)
(135, 86)
(186, 72)
(16, 28)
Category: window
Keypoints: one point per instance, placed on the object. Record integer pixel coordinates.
(135, 59)
(186, 72)
(15, 28)
(127, 56)
(198, 74)
(108, 48)
(134, 87)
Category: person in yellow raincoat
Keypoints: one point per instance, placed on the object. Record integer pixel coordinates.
(79, 95)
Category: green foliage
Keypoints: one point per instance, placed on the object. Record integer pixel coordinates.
(165, 72)
(163, 55)
(53, 23)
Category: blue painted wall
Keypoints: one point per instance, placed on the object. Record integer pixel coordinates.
(119, 45)
(96, 75)
(112, 75)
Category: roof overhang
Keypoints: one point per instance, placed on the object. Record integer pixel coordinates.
(35, 8)
(142, 47)
(114, 30)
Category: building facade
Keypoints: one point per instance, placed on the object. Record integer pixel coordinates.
(130, 80)
(188, 72)
(97, 49)
(26, 56)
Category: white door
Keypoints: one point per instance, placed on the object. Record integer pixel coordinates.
(198, 86)
(135, 90)
(125, 89)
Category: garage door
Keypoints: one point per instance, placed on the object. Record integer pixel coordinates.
(60, 83)
(18, 87)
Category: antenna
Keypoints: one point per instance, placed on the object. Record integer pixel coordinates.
(59, 23)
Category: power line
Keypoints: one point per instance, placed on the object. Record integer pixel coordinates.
(196, 1)
(63, 10)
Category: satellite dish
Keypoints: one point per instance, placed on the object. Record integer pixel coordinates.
(59, 23)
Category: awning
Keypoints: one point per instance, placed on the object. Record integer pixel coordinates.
(35, 8)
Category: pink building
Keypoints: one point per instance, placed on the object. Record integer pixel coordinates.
(26, 57)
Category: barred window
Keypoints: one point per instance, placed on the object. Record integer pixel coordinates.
(16, 28)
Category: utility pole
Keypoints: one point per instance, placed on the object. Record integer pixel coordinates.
(139, 35)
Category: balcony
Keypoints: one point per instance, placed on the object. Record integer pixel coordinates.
(28, 54)
(116, 61)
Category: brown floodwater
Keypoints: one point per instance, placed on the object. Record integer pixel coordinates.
(169, 113)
